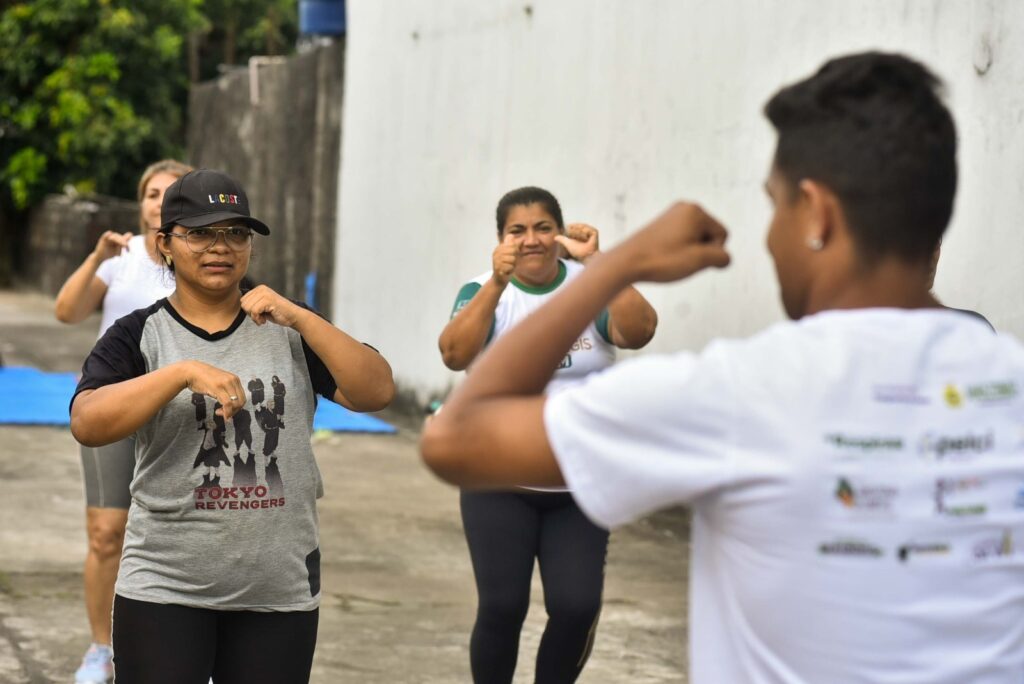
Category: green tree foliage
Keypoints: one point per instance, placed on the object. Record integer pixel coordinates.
(240, 28)
(93, 90)
(90, 91)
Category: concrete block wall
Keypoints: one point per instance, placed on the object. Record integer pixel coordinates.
(275, 126)
(63, 231)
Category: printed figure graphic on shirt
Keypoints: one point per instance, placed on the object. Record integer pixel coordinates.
(270, 419)
(256, 391)
(245, 469)
(279, 391)
(211, 450)
(199, 401)
(271, 424)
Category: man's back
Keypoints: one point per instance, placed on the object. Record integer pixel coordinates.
(857, 481)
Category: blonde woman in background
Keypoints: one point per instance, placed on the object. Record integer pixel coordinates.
(121, 274)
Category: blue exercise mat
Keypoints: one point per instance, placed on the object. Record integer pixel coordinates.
(32, 397)
(330, 416)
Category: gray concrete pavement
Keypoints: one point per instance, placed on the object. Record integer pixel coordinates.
(398, 594)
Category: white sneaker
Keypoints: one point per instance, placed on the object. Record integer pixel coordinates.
(97, 666)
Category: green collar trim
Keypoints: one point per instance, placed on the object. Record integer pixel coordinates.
(543, 289)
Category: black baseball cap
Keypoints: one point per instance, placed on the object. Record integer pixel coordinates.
(203, 197)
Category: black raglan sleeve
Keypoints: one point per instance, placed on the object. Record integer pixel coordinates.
(319, 376)
(117, 356)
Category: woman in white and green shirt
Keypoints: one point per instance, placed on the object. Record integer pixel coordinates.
(507, 530)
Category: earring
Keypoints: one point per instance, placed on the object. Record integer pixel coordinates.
(168, 259)
(815, 244)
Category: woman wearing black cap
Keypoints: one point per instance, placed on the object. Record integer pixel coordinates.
(219, 576)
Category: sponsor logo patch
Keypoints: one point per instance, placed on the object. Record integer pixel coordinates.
(940, 447)
(912, 549)
(992, 392)
(949, 492)
(864, 443)
(899, 394)
(865, 497)
(849, 547)
(982, 393)
(994, 547)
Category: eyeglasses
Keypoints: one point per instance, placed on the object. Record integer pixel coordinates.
(201, 240)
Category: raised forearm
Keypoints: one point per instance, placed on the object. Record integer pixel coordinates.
(112, 413)
(80, 294)
(524, 359)
(466, 333)
(363, 376)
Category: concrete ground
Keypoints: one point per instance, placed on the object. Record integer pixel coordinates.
(398, 593)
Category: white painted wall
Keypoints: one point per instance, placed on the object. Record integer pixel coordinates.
(620, 107)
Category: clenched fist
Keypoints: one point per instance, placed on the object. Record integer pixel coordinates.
(682, 241)
(111, 244)
(263, 304)
(224, 387)
(503, 260)
(579, 240)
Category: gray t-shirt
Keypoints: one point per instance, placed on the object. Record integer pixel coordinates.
(223, 513)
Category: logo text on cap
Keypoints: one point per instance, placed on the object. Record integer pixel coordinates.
(223, 199)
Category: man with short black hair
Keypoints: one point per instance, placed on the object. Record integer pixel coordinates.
(855, 475)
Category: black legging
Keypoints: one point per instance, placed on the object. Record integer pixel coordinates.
(505, 532)
(170, 644)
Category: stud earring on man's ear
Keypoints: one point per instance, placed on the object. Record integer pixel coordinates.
(815, 243)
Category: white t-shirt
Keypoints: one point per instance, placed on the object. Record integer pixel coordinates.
(857, 486)
(134, 281)
(592, 351)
